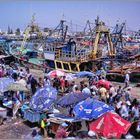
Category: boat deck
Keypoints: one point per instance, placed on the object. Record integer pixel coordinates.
(36, 61)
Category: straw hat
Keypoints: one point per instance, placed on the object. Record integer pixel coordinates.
(128, 103)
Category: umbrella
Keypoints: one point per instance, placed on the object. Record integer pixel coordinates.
(84, 74)
(110, 125)
(91, 108)
(55, 73)
(43, 99)
(103, 82)
(17, 87)
(4, 82)
(72, 99)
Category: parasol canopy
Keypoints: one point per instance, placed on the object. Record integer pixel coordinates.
(110, 125)
(43, 99)
(17, 87)
(4, 82)
(72, 99)
(91, 109)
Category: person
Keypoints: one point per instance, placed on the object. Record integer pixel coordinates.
(119, 93)
(74, 85)
(103, 93)
(94, 88)
(119, 90)
(110, 100)
(124, 112)
(21, 72)
(16, 106)
(112, 91)
(81, 85)
(27, 73)
(134, 102)
(56, 83)
(127, 94)
(40, 82)
(62, 131)
(62, 83)
(135, 111)
(24, 83)
(33, 82)
(67, 85)
(91, 80)
(103, 73)
(44, 124)
(77, 90)
(86, 90)
(47, 81)
(127, 79)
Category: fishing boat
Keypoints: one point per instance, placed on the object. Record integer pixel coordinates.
(72, 56)
(118, 73)
(29, 52)
(32, 58)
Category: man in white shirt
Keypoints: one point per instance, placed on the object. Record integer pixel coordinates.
(112, 91)
(86, 90)
(124, 112)
(127, 79)
(135, 110)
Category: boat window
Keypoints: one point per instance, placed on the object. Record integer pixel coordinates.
(73, 67)
(32, 54)
(66, 66)
(59, 65)
(51, 64)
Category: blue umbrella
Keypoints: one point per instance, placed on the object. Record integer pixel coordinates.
(43, 99)
(91, 109)
(72, 99)
(4, 82)
(84, 74)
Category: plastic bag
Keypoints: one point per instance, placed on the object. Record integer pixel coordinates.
(42, 124)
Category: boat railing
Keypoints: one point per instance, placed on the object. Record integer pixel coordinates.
(49, 48)
(73, 56)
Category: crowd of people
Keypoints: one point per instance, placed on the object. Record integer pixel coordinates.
(120, 97)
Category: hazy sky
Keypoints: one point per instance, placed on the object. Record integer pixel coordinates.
(17, 13)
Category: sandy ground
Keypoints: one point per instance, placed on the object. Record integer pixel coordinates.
(18, 129)
(14, 129)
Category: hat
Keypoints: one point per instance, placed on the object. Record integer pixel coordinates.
(128, 103)
(64, 124)
(91, 133)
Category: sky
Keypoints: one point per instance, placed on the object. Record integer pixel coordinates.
(48, 13)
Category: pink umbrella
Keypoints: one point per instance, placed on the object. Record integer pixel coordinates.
(56, 73)
(103, 82)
